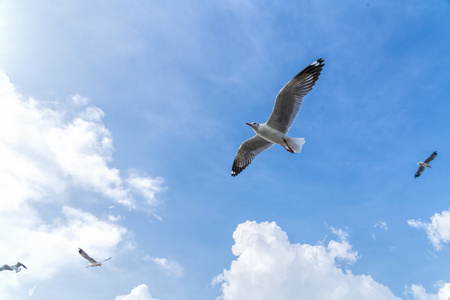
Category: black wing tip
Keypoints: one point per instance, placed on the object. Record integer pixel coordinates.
(314, 69)
(18, 264)
(320, 61)
(317, 64)
(236, 170)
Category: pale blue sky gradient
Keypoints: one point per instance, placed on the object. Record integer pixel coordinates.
(178, 80)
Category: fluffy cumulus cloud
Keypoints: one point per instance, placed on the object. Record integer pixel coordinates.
(419, 292)
(48, 147)
(268, 266)
(51, 152)
(438, 230)
(138, 293)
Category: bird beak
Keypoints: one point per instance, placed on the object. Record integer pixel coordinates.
(249, 124)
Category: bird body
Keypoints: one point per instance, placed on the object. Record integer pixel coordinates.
(92, 262)
(285, 111)
(277, 137)
(425, 164)
(17, 267)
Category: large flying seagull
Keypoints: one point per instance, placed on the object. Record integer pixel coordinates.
(287, 105)
(92, 262)
(17, 267)
(425, 164)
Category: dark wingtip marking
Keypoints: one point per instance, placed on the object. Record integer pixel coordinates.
(315, 69)
(236, 170)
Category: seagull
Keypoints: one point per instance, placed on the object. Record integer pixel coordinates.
(17, 267)
(285, 111)
(92, 262)
(425, 164)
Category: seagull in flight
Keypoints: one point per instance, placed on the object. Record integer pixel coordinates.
(285, 111)
(92, 262)
(17, 267)
(425, 164)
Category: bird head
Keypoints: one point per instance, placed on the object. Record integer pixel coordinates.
(253, 125)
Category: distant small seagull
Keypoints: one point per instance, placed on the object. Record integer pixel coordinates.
(17, 267)
(425, 164)
(285, 111)
(92, 262)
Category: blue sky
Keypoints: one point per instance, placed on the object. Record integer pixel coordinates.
(120, 125)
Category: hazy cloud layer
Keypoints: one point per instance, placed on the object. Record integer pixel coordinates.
(270, 267)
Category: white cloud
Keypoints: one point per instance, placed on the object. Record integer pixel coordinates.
(138, 293)
(170, 266)
(50, 153)
(342, 249)
(438, 230)
(52, 247)
(49, 147)
(147, 187)
(46, 247)
(419, 292)
(270, 267)
(382, 225)
(114, 218)
(31, 291)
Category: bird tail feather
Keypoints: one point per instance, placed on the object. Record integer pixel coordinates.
(296, 143)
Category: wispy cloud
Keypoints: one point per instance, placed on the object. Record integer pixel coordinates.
(147, 187)
(170, 266)
(381, 224)
(438, 230)
(31, 291)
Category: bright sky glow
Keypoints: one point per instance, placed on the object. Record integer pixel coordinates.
(120, 120)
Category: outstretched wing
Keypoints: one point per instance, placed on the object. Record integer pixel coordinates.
(19, 264)
(432, 156)
(290, 97)
(248, 150)
(85, 255)
(421, 168)
(5, 267)
(106, 259)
